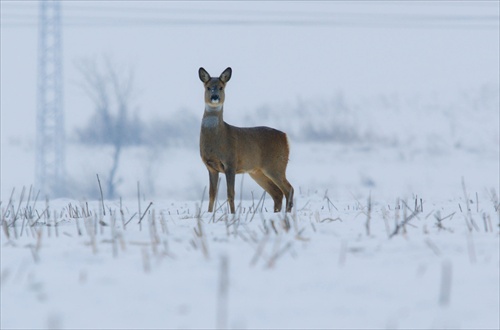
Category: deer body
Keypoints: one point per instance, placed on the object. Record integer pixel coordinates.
(260, 151)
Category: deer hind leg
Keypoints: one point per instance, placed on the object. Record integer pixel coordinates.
(214, 181)
(279, 179)
(272, 189)
(289, 196)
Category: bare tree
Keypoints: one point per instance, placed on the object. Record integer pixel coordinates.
(111, 92)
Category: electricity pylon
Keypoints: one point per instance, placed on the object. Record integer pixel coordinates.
(50, 137)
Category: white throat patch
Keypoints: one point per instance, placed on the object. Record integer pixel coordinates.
(209, 108)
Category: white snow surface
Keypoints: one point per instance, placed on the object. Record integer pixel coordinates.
(325, 271)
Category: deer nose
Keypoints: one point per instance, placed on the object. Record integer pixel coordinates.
(214, 98)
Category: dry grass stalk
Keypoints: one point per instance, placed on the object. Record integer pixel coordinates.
(316, 216)
(313, 226)
(496, 204)
(34, 254)
(271, 260)
(200, 235)
(155, 239)
(56, 227)
(494, 200)
(22, 225)
(145, 212)
(294, 218)
(329, 202)
(368, 215)
(9, 204)
(405, 213)
(477, 203)
(433, 247)
(222, 294)
(21, 197)
(114, 236)
(273, 227)
(406, 220)
(14, 227)
(163, 224)
(102, 197)
(471, 248)
(35, 250)
(396, 214)
(261, 201)
(139, 203)
(28, 211)
(285, 222)
(226, 222)
(146, 262)
(486, 219)
(126, 223)
(445, 287)
(299, 236)
(278, 252)
(78, 230)
(305, 205)
(439, 220)
(259, 250)
(251, 234)
(468, 218)
(48, 225)
(91, 231)
(331, 219)
(5, 229)
(385, 216)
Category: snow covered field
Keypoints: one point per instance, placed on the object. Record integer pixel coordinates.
(414, 263)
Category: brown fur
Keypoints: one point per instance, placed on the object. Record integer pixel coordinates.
(260, 151)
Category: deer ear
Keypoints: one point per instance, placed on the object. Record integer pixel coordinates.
(226, 75)
(204, 76)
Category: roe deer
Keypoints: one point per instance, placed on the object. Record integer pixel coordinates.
(261, 152)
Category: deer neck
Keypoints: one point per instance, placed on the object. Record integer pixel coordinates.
(212, 118)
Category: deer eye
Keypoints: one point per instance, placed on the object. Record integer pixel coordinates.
(208, 88)
(220, 88)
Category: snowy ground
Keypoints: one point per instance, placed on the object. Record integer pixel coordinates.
(321, 267)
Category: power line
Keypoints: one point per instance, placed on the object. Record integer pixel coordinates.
(361, 20)
(77, 15)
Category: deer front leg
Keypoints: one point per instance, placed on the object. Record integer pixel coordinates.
(214, 181)
(230, 177)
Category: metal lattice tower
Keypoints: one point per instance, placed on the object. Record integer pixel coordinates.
(50, 137)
